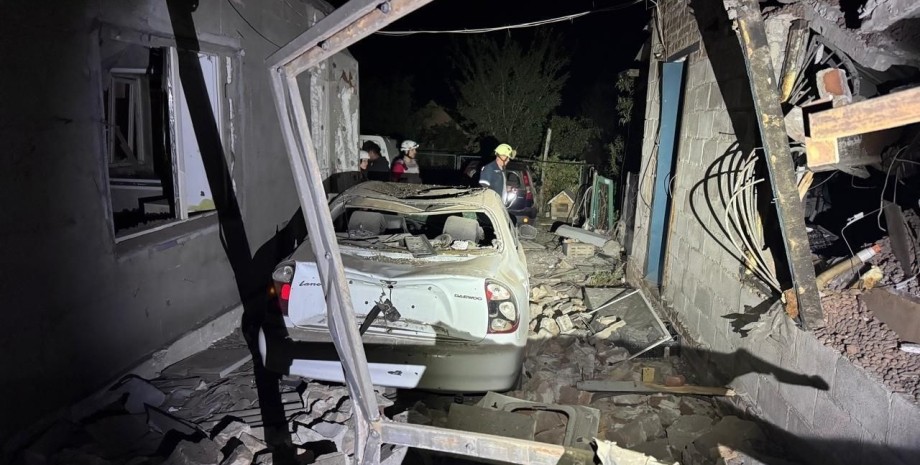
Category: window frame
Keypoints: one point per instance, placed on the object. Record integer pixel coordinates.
(228, 52)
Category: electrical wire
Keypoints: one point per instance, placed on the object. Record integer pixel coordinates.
(823, 182)
(659, 27)
(881, 197)
(850, 222)
(740, 214)
(230, 2)
(541, 22)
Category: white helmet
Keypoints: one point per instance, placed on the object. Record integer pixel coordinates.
(408, 145)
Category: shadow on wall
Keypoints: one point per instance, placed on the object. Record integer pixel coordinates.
(733, 365)
(799, 441)
(252, 271)
(724, 53)
(779, 446)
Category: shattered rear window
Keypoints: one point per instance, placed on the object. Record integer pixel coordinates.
(420, 235)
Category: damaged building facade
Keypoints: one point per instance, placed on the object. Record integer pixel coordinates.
(123, 119)
(706, 217)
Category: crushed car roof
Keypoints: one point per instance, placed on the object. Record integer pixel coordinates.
(419, 193)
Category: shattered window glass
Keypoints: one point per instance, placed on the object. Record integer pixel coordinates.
(420, 234)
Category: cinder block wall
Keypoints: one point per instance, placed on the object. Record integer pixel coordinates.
(777, 368)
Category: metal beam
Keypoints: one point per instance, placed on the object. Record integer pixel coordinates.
(322, 30)
(358, 19)
(368, 24)
(876, 114)
(753, 37)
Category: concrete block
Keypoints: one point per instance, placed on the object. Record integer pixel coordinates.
(683, 250)
(688, 129)
(747, 385)
(771, 403)
(696, 264)
(833, 422)
(707, 328)
(703, 299)
(799, 426)
(715, 94)
(711, 247)
(731, 264)
(862, 395)
(731, 290)
(845, 436)
(688, 286)
(720, 344)
(800, 398)
(695, 74)
(904, 429)
(711, 149)
(704, 123)
(692, 322)
(768, 349)
(722, 126)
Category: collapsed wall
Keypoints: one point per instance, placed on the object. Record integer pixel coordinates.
(813, 395)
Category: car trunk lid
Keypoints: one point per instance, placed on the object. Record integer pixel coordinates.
(430, 302)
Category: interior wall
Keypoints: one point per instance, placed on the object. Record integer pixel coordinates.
(806, 393)
(77, 308)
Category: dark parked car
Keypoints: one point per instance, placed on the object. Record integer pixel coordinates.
(518, 181)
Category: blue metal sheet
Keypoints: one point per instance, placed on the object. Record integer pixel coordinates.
(672, 75)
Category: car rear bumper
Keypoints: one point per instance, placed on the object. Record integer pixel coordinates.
(447, 366)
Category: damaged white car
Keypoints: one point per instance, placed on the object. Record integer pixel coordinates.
(439, 284)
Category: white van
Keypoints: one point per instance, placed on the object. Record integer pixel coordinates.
(388, 147)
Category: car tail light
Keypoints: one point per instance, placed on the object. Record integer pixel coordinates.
(528, 188)
(283, 276)
(503, 313)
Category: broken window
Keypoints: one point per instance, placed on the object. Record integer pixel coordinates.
(155, 171)
(421, 235)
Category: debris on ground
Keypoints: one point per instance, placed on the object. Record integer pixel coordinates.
(206, 409)
(860, 336)
(871, 311)
(202, 410)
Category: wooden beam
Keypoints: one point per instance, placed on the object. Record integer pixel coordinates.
(885, 112)
(632, 386)
(752, 34)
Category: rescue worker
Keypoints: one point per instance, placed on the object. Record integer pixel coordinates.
(493, 174)
(405, 167)
(377, 168)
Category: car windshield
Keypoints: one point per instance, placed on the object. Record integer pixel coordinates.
(421, 235)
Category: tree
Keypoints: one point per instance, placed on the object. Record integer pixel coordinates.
(508, 91)
(626, 85)
(572, 139)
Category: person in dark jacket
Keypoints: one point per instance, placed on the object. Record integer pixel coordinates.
(377, 167)
(493, 174)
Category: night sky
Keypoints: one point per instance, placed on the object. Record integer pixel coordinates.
(600, 45)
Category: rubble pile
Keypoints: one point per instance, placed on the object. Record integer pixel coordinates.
(891, 268)
(670, 428)
(854, 331)
(558, 309)
(185, 418)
